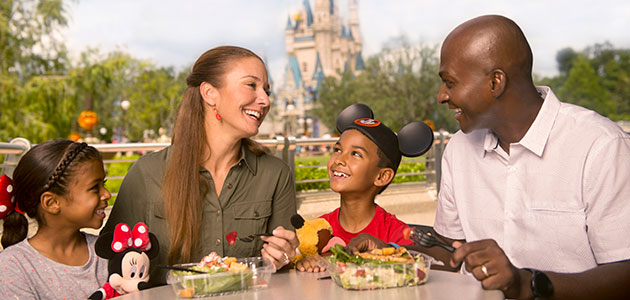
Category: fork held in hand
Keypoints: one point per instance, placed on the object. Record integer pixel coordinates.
(252, 237)
(425, 239)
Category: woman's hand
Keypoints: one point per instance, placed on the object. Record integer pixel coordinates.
(280, 248)
(311, 264)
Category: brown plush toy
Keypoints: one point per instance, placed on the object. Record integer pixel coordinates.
(315, 237)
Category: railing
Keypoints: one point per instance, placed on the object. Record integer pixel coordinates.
(282, 147)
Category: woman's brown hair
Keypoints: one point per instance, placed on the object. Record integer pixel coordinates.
(182, 204)
(47, 167)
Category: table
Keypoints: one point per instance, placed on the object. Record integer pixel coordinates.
(291, 285)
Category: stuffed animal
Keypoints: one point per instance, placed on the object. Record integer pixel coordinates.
(7, 203)
(315, 237)
(129, 253)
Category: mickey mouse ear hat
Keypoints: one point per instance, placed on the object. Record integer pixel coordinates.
(414, 139)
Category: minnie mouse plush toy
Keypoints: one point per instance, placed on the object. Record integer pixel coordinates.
(129, 253)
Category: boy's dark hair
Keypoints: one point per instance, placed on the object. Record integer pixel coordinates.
(384, 162)
(49, 166)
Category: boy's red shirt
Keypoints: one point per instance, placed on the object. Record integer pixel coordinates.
(384, 226)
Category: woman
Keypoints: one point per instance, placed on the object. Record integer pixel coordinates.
(239, 187)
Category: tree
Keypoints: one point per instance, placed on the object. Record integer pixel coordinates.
(565, 58)
(31, 60)
(28, 44)
(583, 88)
(400, 84)
(597, 77)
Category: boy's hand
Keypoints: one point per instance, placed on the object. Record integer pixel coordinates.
(311, 264)
(364, 242)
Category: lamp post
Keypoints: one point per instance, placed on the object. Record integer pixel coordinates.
(290, 120)
(125, 106)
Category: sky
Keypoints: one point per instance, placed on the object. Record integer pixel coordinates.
(176, 33)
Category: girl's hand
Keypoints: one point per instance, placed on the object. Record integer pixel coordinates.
(280, 248)
(311, 264)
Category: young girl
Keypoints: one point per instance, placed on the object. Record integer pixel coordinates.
(60, 184)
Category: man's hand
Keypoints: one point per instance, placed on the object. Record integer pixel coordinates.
(364, 242)
(489, 264)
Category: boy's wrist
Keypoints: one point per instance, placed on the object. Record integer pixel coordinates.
(394, 245)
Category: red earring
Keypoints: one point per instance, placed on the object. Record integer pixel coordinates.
(216, 113)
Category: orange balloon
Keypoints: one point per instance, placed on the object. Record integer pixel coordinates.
(75, 136)
(87, 120)
(430, 123)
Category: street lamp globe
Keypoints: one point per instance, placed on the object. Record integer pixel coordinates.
(125, 104)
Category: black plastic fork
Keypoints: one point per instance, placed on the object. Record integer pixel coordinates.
(427, 240)
(252, 237)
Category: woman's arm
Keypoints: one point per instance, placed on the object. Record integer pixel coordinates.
(280, 247)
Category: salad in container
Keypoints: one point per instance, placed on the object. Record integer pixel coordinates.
(223, 275)
(377, 269)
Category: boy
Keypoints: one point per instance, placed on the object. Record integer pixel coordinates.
(363, 163)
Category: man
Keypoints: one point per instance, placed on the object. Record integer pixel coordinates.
(535, 193)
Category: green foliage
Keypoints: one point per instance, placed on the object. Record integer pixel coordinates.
(311, 173)
(410, 167)
(117, 169)
(582, 87)
(400, 85)
(597, 77)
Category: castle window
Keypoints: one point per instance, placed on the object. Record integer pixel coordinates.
(304, 70)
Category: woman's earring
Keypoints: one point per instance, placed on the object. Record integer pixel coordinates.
(216, 113)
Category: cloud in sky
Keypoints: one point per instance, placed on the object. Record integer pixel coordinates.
(175, 33)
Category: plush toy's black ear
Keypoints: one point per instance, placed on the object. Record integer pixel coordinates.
(155, 246)
(351, 113)
(297, 221)
(415, 138)
(103, 245)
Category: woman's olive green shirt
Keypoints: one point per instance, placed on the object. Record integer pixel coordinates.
(257, 196)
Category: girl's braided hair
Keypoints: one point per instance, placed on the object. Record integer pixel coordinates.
(66, 160)
(47, 167)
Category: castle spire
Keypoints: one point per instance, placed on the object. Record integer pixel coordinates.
(353, 20)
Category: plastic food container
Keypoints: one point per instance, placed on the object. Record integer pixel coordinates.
(379, 276)
(194, 285)
(261, 270)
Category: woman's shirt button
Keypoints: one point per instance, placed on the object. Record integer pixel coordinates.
(218, 242)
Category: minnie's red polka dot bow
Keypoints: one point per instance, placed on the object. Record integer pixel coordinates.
(125, 238)
(7, 202)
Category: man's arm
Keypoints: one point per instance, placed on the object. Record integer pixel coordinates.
(606, 281)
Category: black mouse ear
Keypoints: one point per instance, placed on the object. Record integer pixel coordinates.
(297, 221)
(415, 138)
(103, 246)
(351, 113)
(155, 246)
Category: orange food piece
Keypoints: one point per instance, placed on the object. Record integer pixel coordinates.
(187, 293)
(229, 260)
(406, 233)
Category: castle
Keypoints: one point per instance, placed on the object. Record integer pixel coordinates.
(318, 43)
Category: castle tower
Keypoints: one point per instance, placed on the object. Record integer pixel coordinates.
(318, 43)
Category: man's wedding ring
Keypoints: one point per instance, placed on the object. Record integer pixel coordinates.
(483, 269)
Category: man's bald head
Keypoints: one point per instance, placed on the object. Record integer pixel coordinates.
(488, 43)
